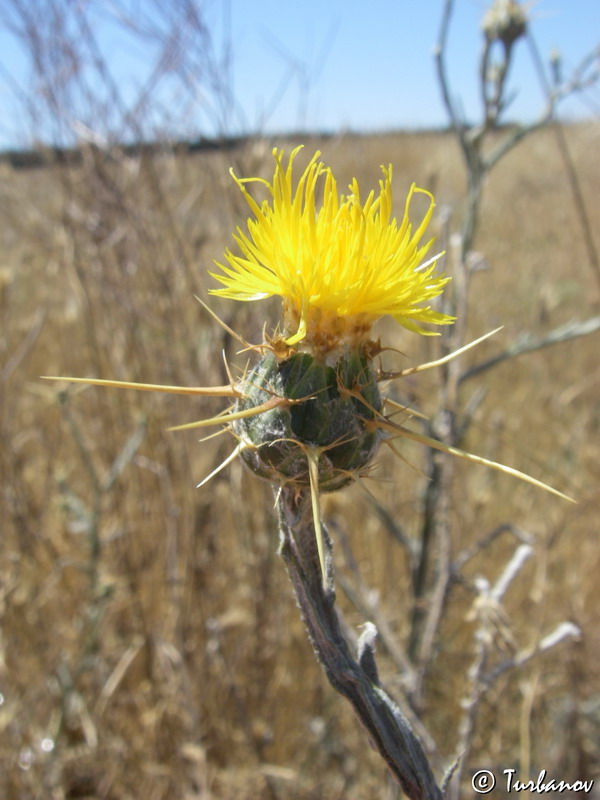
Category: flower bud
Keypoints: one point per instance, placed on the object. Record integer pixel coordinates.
(505, 21)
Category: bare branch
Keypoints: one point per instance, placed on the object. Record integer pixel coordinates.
(482, 544)
(25, 346)
(527, 343)
(439, 55)
(565, 631)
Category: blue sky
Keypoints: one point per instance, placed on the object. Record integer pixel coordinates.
(370, 65)
(331, 64)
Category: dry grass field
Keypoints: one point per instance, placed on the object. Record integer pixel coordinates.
(150, 643)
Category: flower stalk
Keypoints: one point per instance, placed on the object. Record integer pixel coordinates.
(355, 678)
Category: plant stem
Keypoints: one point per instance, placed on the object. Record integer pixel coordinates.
(355, 679)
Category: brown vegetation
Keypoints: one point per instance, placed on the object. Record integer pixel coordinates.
(150, 643)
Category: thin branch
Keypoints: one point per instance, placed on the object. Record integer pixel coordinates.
(529, 344)
(25, 347)
(363, 599)
(576, 82)
(439, 55)
(482, 544)
(487, 610)
(553, 97)
(563, 632)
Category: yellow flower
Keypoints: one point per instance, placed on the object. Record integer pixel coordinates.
(338, 267)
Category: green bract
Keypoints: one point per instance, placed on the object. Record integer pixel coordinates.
(333, 405)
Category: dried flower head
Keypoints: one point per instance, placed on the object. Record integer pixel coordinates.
(505, 21)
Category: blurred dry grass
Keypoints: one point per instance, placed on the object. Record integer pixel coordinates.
(150, 644)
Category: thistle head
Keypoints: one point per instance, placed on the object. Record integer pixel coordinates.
(310, 414)
(338, 265)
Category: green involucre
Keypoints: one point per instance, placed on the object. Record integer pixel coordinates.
(334, 405)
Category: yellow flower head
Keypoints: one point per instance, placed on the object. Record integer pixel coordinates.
(338, 267)
(309, 414)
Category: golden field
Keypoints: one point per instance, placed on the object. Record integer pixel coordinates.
(150, 643)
